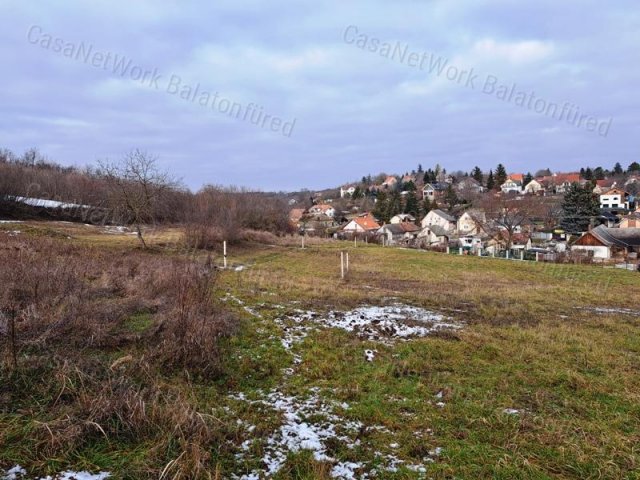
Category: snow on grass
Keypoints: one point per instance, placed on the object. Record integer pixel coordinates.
(396, 321)
(312, 424)
(19, 473)
(511, 411)
(608, 311)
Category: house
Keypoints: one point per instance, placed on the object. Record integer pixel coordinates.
(403, 218)
(603, 186)
(322, 209)
(390, 182)
(433, 235)
(470, 222)
(362, 224)
(604, 243)
(433, 191)
(520, 241)
(632, 180)
(440, 219)
(347, 190)
(614, 199)
(471, 243)
(631, 221)
(560, 182)
(533, 188)
(394, 233)
(511, 186)
(469, 185)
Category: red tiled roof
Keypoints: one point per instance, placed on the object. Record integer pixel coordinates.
(367, 222)
(516, 177)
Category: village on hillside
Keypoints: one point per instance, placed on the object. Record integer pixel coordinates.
(591, 216)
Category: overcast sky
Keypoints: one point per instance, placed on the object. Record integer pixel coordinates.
(357, 107)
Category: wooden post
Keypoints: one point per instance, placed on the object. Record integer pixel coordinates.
(537, 256)
(448, 250)
(303, 241)
(355, 240)
(460, 251)
(342, 265)
(507, 255)
(522, 255)
(479, 252)
(347, 262)
(224, 253)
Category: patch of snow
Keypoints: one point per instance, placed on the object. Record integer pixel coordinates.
(606, 311)
(10, 221)
(41, 202)
(396, 321)
(13, 473)
(18, 472)
(511, 411)
(440, 404)
(370, 355)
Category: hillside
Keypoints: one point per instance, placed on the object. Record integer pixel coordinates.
(416, 365)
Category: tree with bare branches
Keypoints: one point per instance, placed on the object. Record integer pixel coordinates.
(504, 218)
(138, 188)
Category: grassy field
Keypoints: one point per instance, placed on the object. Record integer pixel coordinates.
(541, 381)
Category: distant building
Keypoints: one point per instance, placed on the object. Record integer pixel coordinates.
(614, 199)
(402, 218)
(347, 190)
(322, 209)
(440, 219)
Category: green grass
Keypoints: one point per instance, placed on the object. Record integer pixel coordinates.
(528, 343)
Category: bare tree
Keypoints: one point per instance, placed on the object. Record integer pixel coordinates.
(504, 218)
(138, 188)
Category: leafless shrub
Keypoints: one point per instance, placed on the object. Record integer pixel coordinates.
(59, 295)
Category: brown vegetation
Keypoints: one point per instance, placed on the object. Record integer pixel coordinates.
(87, 337)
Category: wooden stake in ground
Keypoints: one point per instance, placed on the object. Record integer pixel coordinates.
(342, 265)
(303, 242)
(224, 253)
(347, 262)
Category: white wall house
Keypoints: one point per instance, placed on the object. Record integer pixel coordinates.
(511, 186)
(322, 209)
(402, 217)
(440, 219)
(347, 190)
(533, 187)
(469, 222)
(614, 198)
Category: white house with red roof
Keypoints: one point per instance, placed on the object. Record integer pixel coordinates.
(362, 224)
(322, 209)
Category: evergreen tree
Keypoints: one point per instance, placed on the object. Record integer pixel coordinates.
(420, 168)
(634, 167)
(579, 208)
(409, 186)
(427, 206)
(411, 204)
(617, 169)
(476, 174)
(582, 172)
(381, 207)
(394, 205)
(450, 197)
(588, 174)
(598, 173)
(491, 183)
(527, 178)
(501, 175)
